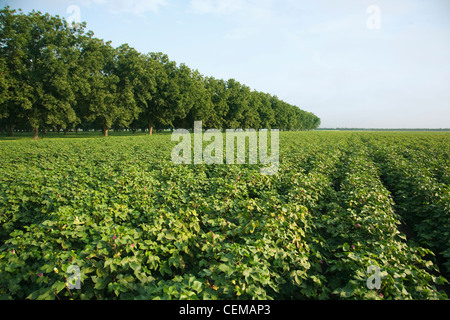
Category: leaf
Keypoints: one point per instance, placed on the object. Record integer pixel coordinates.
(41, 294)
(58, 286)
(207, 272)
(197, 286)
(371, 295)
(345, 292)
(226, 269)
(246, 273)
(115, 287)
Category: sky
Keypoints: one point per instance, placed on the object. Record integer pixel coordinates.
(353, 63)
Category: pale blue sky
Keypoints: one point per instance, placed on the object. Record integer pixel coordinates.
(318, 54)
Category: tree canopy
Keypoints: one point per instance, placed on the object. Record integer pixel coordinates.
(56, 76)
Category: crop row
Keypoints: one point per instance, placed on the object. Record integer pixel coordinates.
(358, 229)
(422, 195)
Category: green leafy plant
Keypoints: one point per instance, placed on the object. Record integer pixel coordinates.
(139, 227)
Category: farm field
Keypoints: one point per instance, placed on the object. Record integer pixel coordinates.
(137, 226)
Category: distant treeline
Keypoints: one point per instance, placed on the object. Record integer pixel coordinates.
(56, 76)
(378, 129)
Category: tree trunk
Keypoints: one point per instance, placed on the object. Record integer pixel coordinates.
(35, 133)
(105, 132)
(150, 130)
(11, 128)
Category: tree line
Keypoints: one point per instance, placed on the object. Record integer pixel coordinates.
(56, 76)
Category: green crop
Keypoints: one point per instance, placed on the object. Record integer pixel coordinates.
(140, 227)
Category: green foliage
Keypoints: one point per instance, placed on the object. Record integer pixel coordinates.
(417, 174)
(140, 227)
